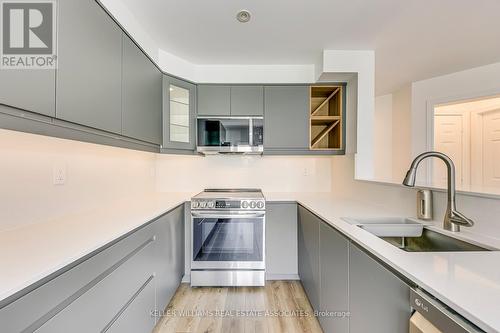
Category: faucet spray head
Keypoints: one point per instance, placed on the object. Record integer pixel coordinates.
(410, 177)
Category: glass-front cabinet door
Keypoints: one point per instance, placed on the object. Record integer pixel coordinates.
(178, 114)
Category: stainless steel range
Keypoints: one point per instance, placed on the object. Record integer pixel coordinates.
(228, 238)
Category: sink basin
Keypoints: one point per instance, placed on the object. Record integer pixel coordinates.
(431, 241)
(389, 226)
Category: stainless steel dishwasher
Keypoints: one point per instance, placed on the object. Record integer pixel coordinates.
(431, 316)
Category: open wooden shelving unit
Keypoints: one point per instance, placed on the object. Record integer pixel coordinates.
(326, 117)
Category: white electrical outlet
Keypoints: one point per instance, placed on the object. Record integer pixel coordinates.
(59, 174)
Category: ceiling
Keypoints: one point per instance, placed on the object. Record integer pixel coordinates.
(412, 39)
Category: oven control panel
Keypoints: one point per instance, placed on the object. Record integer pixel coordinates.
(207, 204)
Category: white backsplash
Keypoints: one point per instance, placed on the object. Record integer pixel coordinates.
(98, 174)
(95, 174)
(270, 173)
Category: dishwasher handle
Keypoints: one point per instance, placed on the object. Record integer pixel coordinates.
(438, 314)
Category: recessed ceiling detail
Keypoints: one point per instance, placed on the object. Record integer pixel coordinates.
(243, 16)
(413, 40)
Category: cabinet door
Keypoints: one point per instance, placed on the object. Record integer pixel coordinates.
(89, 66)
(308, 248)
(286, 121)
(141, 95)
(247, 101)
(179, 116)
(29, 89)
(379, 301)
(169, 257)
(281, 241)
(214, 100)
(334, 276)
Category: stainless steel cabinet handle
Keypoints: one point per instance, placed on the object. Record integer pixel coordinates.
(227, 216)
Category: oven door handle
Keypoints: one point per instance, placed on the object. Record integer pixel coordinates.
(227, 216)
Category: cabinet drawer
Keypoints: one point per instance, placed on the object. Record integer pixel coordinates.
(136, 317)
(37, 307)
(98, 307)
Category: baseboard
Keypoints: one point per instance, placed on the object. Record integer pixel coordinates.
(269, 277)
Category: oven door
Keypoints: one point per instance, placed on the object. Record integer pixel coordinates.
(228, 240)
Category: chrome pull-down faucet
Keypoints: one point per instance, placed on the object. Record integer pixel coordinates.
(452, 219)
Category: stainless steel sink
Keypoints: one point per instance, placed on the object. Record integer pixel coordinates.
(432, 241)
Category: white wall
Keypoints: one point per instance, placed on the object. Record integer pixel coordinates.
(392, 135)
(95, 174)
(382, 132)
(362, 63)
(401, 132)
(271, 173)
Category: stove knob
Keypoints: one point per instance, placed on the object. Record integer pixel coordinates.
(260, 204)
(203, 204)
(211, 204)
(253, 204)
(244, 204)
(194, 204)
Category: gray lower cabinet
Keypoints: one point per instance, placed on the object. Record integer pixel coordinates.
(379, 300)
(141, 95)
(214, 100)
(339, 277)
(29, 89)
(308, 255)
(286, 118)
(115, 289)
(281, 241)
(179, 114)
(334, 279)
(89, 66)
(169, 257)
(247, 101)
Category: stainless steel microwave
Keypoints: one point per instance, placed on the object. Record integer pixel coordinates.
(226, 135)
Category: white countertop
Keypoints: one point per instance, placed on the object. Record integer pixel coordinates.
(33, 252)
(467, 282)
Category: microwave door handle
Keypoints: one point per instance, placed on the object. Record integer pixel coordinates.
(250, 132)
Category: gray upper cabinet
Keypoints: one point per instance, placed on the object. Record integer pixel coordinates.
(29, 89)
(308, 257)
(141, 95)
(334, 277)
(286, 120)
(247, 101)
(179, 114)
(214, 100)
(89, 66)
(379, 300)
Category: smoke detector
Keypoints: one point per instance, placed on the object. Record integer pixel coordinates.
(243, 16)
